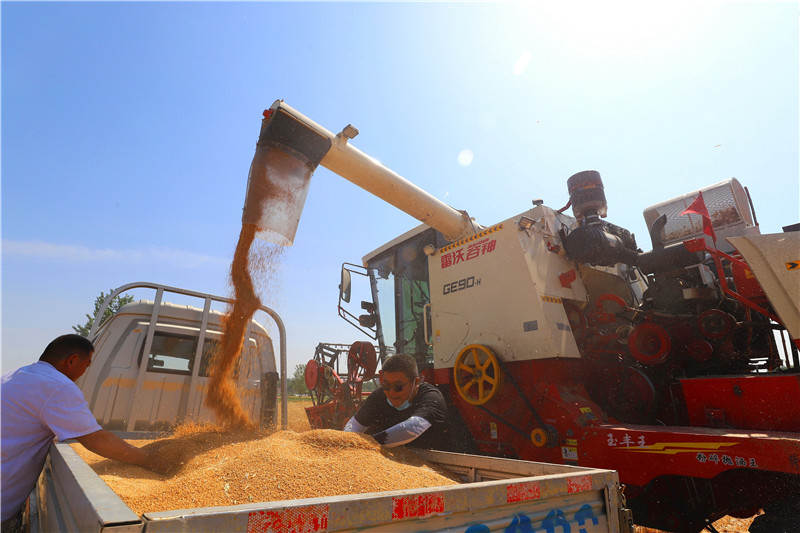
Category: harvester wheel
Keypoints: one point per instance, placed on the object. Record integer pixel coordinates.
(311, 374)
(361, 362)
(477, 374)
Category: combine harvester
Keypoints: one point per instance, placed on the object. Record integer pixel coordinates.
(556, 339)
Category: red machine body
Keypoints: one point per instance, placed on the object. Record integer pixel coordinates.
(688, 390)
(334, 395)
(747, 402)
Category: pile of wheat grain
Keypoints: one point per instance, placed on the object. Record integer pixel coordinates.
(215, 468)
(726, 524)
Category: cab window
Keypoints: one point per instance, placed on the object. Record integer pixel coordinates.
(174, 354)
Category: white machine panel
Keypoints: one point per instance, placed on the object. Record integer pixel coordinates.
(508, 267)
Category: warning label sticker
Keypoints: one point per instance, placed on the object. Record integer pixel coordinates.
(570, 453)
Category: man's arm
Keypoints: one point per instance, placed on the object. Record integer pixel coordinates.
(108, 445)
(429, 409)
(354, 426)
(402, 433)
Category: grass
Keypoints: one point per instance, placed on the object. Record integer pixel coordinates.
(297, 419)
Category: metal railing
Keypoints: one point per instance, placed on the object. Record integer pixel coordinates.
(207, 299)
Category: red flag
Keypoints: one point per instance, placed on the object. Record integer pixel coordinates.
(698, 207)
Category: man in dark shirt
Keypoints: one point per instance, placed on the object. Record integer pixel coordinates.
(404, 410)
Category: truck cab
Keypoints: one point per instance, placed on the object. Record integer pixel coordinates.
(150, 370)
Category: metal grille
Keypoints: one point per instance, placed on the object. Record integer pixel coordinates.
(727, 206)
(721, 207)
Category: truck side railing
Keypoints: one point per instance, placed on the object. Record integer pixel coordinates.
(207, 299)
(497, 494)
(71, 497)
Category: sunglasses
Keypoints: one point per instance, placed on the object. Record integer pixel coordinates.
(397, 387)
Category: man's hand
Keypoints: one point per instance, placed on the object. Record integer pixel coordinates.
(166, 457)
(108, 445)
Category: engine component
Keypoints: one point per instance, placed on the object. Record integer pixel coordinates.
(330, 378)
(607, 307)
(715, 324)
(586, 194)
(700, 350)
(671, 257)
(577, 321)
(649, 343)
(545, 436)
(630, 394)
(595, 245)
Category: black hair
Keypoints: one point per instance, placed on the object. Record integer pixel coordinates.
(402, 362)
(64, 346)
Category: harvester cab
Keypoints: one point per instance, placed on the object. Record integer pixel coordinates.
(392, 310)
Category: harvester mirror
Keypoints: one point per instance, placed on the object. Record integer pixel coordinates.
(367, 321)
(344, 286)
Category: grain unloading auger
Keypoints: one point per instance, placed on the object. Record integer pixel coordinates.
(556, 339)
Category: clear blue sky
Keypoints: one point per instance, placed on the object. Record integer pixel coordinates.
(128, 130)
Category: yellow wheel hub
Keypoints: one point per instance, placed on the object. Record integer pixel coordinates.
(477, 374)
(538, 437)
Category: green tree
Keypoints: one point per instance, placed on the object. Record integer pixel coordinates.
(112, 308)
(297, 383)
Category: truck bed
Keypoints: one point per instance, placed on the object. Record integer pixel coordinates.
(496, 494)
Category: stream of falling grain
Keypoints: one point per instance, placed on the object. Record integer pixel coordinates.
(222, 397)
(252, 265)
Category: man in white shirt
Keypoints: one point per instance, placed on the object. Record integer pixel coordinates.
(41, 401)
